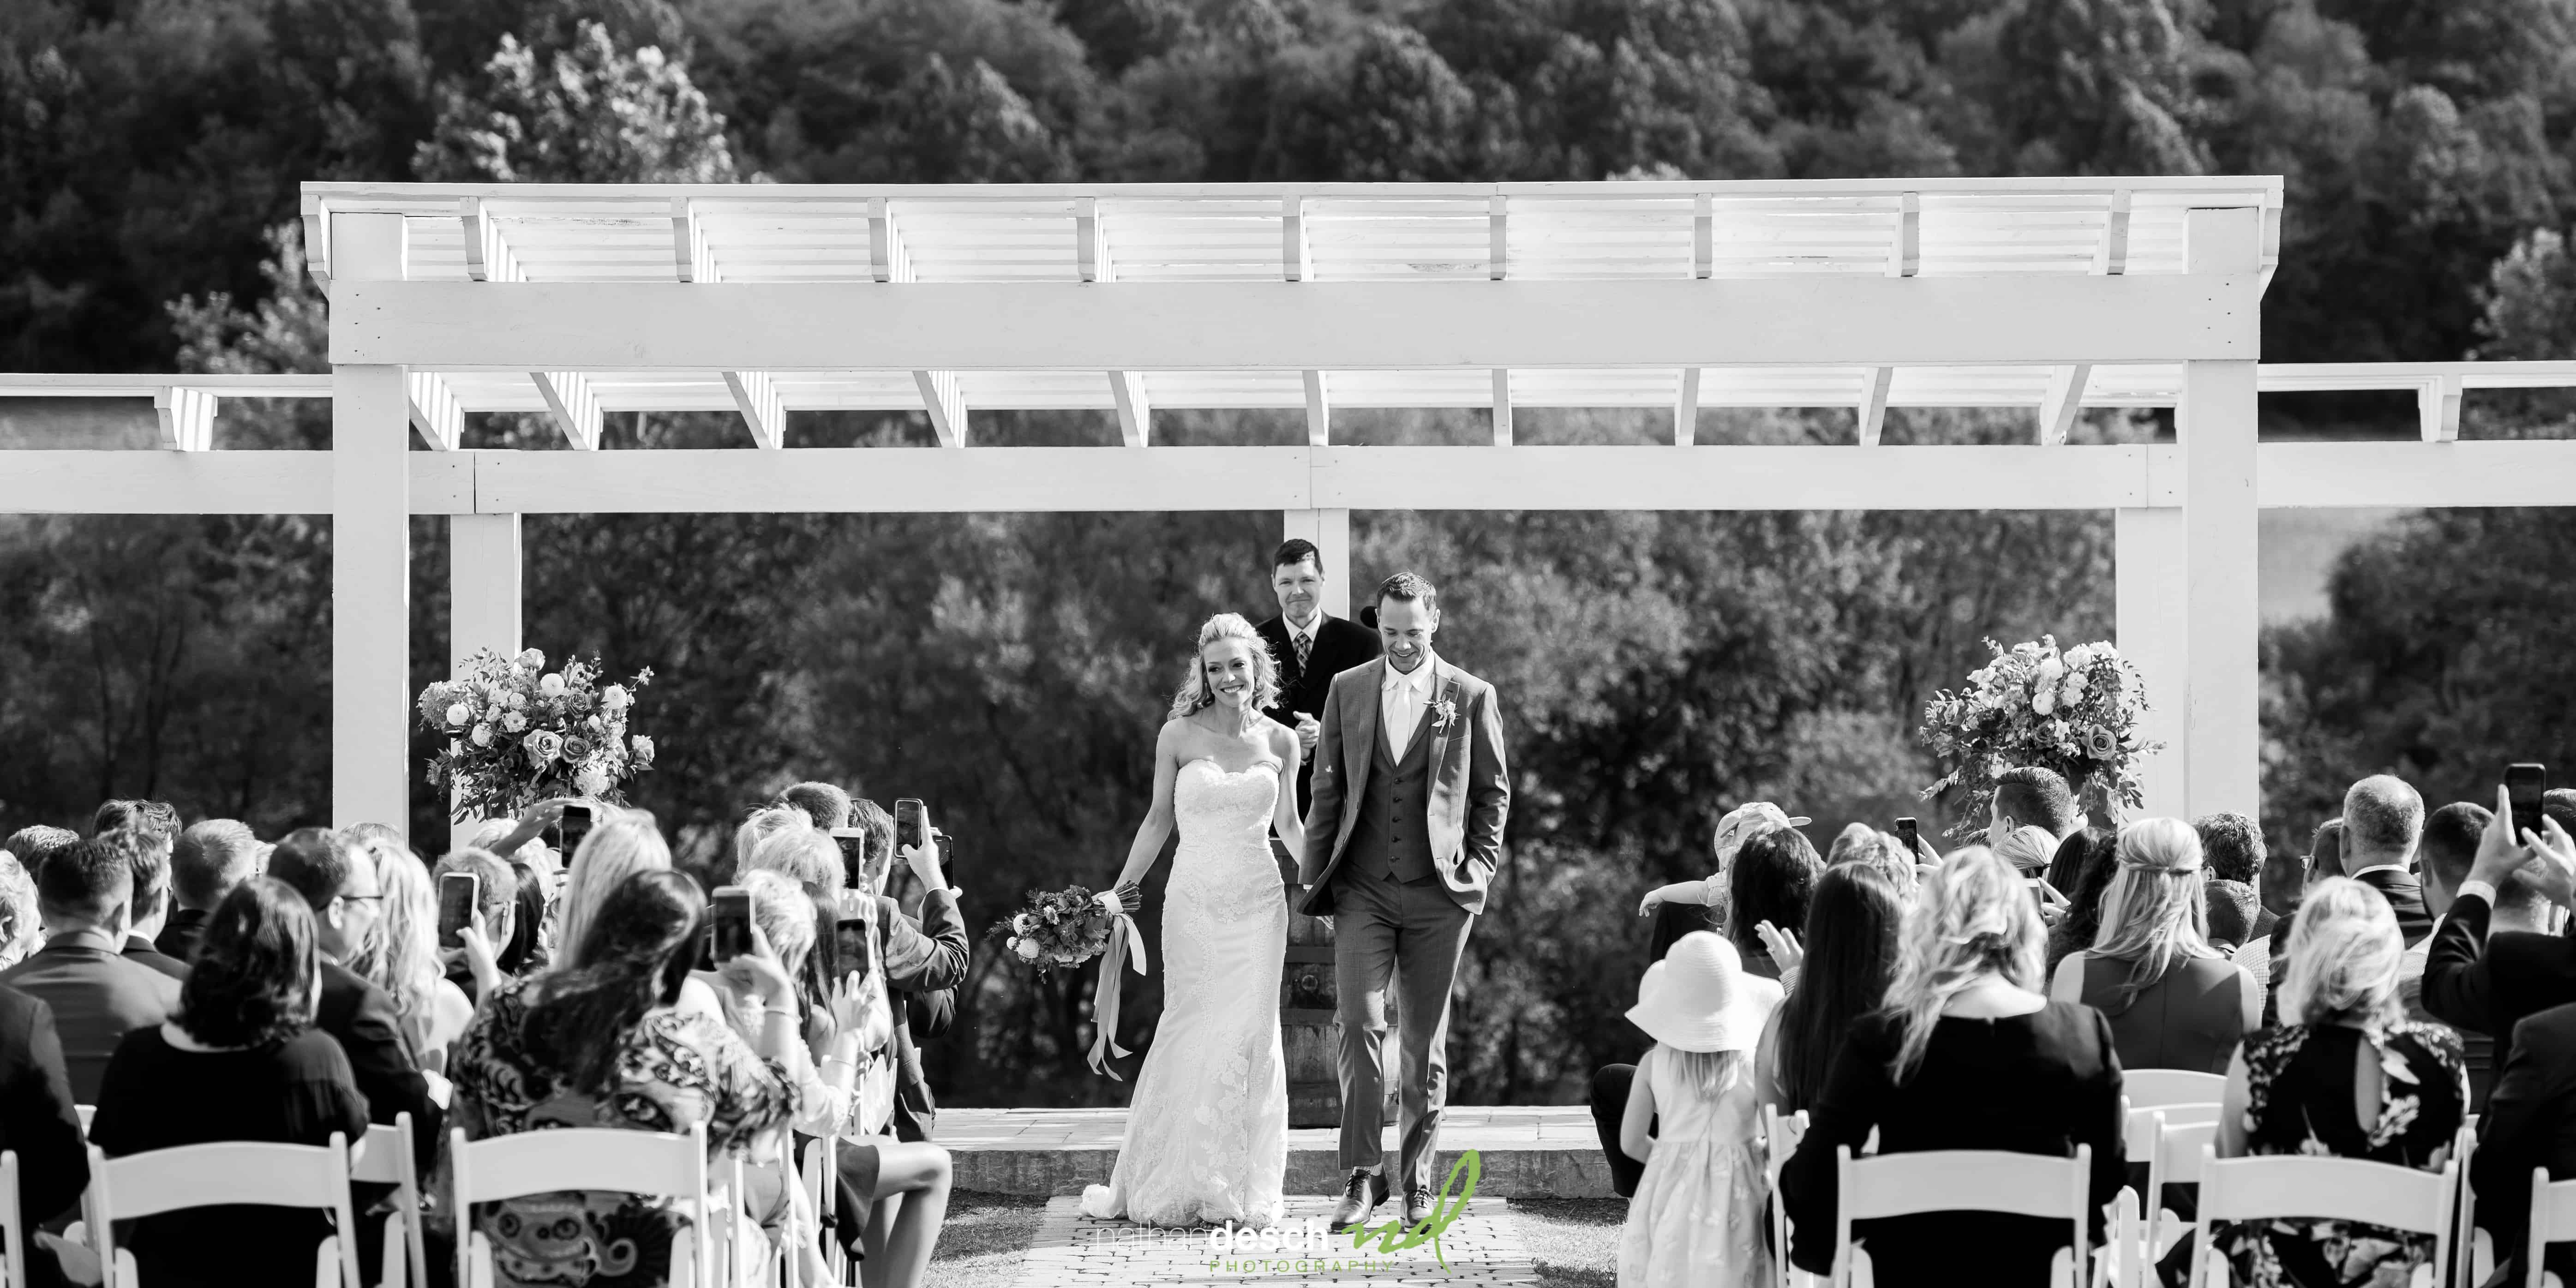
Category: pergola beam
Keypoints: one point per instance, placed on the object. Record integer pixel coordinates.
(1686, 408)
(1319, 410)
(187, 419)
(2064, 399)
(1135, 416)
(1872, 413)
(2437, 408)
(435, 411)
(947, 407)
(755, 393)
(573, 404)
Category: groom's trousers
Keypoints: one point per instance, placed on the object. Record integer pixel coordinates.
(1407, 935)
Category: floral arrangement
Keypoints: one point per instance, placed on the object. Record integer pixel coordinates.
(1050, 931)
(518, 733)
(2075, 712)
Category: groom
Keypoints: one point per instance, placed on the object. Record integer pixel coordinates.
(1405, 830)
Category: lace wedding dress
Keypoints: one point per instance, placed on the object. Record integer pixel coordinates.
(1207, 1130)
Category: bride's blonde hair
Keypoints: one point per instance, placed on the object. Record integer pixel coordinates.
(1196, 696)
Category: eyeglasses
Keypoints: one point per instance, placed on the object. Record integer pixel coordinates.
(362, 898)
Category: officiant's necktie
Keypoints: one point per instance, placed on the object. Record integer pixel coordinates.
(1305, 646)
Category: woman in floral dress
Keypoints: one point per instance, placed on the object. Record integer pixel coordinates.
(2346, 1075)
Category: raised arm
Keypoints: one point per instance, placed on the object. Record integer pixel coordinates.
(1283, 818)
(1157, 827)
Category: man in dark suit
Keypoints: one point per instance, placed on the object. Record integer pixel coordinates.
(2529, 1122)
(206, 862)
(147, 853)
(2383, 823)
(339, 884)
(2478, 977)
(1311, 646)
(38, 1121)
(96, 994)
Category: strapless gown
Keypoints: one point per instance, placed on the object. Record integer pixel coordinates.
(1207, 1128)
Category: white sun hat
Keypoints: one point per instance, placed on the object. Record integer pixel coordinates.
(1745, 822)
(1699, 998)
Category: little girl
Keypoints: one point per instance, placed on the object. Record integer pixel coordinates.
(1697, 1219)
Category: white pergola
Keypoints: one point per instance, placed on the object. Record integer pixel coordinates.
(572, 301)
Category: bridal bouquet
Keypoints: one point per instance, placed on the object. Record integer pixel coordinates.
(2075, 712)
(1066, 928)
(518, 733)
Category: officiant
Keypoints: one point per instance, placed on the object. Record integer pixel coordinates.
(1311, 647)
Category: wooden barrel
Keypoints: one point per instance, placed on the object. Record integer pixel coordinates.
(1310, 1027)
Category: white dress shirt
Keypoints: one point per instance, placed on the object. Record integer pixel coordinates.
(1401, 700)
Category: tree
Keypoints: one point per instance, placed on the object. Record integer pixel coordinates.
(589, 113)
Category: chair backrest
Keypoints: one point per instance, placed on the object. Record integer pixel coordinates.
(2179, 1146)
(13, 1259)
(1960, 1180)
(86, 1113)
(2155, 1088)
(652, 1164)
(387, 1158)
(2553, 1220)
(2335, 1189)
(263, 1173)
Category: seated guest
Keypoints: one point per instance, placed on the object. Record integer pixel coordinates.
(2233, 912)
(2172, 1000)
(496, 911)
(1860, 843)
(30, 845)
(604, 1043)
(2529, 1122)
(759, 826)
(2089, 858)
(21, 930)
(1844, 960)
(1773, 877)
(2346, 1075)
(38, 1119)
(2029, 849)
(2451, 836)
(400, 956)
(1685, 906)
(2231, 848)
(206, 862)
(242, 1040)
(526, 951)
(96, 994)
(1966, 1055)
(2478, 975)
(157, 818)
(2030, 796)
(827, 806)
(2325, 851)
(148, 853)
(338, 884)
(2383, 822)
(799, 851)
(2285, 880)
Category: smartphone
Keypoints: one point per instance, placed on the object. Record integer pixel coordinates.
(850, 945)
(854, 854)
(730, 917)
(574, 826)
(2525, 783)
(457, 893)
(947, 853)
(911, 824)
(1912, 836)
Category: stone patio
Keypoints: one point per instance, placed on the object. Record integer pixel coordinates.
(1526, 1151)
(1483, 1246)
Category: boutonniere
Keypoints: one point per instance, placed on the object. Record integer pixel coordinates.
(1442, 712)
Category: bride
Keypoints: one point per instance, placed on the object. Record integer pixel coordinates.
(1207, 1130)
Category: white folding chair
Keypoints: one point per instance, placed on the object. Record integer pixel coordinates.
(2169, 1140)
(1964, 1180)
(2156, 1088)
(655, 1164)
(220, 1174)
(2474, 1247)
(86, 1113)
(821, 1175)
(2553, 1220)
(1780, 1137)
(2331, 1189)
(13, 1259)
(387, 1160)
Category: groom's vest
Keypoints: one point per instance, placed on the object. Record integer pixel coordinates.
(1392, 837)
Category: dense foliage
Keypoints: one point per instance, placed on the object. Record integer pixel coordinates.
(1657, 667)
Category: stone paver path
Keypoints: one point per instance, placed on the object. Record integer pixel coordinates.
(1483, 1246)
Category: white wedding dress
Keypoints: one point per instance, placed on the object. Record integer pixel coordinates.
(1207, 1130)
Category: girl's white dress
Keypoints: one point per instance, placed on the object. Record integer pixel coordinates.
(1697, 1219)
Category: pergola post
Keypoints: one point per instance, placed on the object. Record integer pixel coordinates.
(2148, 575)
(2215, 423)
(1330, 530)
(484, 597)
(370, 554)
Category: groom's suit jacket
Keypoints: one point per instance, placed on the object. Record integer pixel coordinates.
(1470, 788)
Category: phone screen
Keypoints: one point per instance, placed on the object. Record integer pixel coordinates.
(854, 854)
(850, 944)
(732, 921)
(1908, 832)
(575, 826)
(947, 854)
(911, 823)
(457, 892)
(2525, 783)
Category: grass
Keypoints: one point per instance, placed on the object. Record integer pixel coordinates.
(1575, 1242)
(984, 1240)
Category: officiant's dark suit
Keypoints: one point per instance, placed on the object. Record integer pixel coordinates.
(1335, 646)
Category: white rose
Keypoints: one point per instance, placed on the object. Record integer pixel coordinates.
(643, 748)
(2049, 673)
(592, 780)
(2080, 656)
(551, 685)
(1023, 923)
(2044, 702)
(482, 735)
(532, 659)
(459, 714)
(613, 698)
(515, 700)
(2073, 691)
(513, 722)
(1026, 948)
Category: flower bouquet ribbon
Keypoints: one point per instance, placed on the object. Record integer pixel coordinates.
(1104, 1001)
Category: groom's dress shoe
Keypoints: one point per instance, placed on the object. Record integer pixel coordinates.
(1417, 1206)
(1359, 1198)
